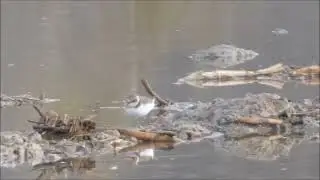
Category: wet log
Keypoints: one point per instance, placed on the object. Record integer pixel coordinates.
(255, 120)
(227, 75)
(314, 69)
(148, 136)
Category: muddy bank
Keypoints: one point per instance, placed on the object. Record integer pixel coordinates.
(182, 122)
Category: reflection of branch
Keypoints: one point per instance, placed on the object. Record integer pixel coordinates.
(152, 93)
(148, 145)
(51, 169)
(24, 99)
(249, 136)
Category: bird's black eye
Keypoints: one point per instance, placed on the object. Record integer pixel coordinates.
(131, 99)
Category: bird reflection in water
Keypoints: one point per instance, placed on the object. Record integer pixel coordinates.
(143, 152)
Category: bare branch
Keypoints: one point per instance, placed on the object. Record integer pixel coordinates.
(152, 93)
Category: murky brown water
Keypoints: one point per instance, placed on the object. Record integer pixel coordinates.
(87, 52)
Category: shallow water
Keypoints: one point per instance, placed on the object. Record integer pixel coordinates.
(87, 52)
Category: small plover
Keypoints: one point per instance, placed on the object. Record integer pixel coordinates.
(139, 105)
(140, 156)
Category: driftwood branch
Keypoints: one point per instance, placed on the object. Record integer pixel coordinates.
(152, 93)
(148, 136)
(255, 120)
(39, 112)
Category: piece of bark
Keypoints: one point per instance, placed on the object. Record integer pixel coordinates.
(259, 120)
(148, 136)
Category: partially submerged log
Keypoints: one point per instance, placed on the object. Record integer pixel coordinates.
(234, 82)
(314, 69)
(230, 74)
(148, 136)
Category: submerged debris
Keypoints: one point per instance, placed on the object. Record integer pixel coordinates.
(273, 76)
(24, 99)
(223, 55)
(215, 77)
(279, 31)
(51, 124)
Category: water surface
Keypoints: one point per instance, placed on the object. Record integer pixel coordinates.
(85, 52)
